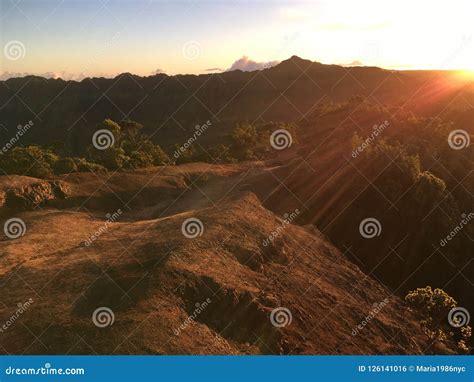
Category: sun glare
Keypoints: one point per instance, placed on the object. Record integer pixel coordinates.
(465, 75)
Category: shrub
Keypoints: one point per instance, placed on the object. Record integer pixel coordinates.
(130, 150)
(65, 166)
(434, 306)
(85, 166)
(159, 157)
(184, 155)
(31, 161)
(220, 154)
(429, 190)
(139, 159)
(250, 142)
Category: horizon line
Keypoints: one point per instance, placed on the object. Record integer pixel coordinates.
(77, 77)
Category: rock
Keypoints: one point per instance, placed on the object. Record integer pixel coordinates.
(3, 198)
(60, 189)
(29, 196)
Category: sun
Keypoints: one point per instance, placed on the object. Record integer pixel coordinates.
(464, 75)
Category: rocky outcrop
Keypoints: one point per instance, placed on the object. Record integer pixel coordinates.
(31, 195)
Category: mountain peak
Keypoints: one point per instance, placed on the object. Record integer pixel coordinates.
(295, 62)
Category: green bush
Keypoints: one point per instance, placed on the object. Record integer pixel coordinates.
(65, 166)
(252, 142)
(30, 161)
(158, 156)
(434, 307)
(139, 159)
(131, 149)
(85, 166)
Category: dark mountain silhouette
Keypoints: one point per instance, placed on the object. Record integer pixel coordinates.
(170, 105)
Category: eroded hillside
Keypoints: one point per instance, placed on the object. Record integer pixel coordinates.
(235, 279)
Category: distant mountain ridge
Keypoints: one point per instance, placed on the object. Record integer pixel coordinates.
(170, 106)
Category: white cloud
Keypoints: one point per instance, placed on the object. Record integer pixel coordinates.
(158, 71)
(353, 63)
(55, 75)
(247, 65)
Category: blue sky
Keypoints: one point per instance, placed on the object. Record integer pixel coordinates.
(106, 37)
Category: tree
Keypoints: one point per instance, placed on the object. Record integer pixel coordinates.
(130, 149)
(131, 130)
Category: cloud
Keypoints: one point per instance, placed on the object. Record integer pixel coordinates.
(6, 75)
(64, 76)
(214, 70)
(158, 71)
(54, 75)
(354, 63)
(247, 65)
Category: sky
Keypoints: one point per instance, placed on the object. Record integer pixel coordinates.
(79, 38)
